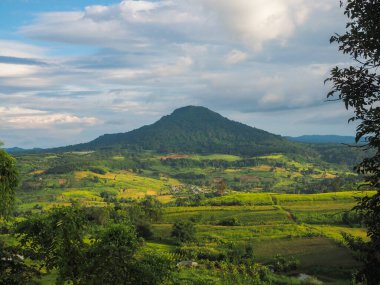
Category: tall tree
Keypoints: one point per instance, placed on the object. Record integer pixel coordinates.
(8, 183)
(57, 238)
(358, 87)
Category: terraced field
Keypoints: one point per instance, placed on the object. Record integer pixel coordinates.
(233, 201)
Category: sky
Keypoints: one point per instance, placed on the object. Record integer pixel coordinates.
(76, 69)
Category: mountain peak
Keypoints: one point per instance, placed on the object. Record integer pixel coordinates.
(194, 111)
(192, 108)
(192, 114)
(196, 129)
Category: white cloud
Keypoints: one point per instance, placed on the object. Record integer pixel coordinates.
(14, 111)
(179, 67)
(18, 49)
(124, 26)
(136, 23)
(256, 22)
(17, 70)
(236, 56)
(24, 118)
(182, 65)
(38, 121)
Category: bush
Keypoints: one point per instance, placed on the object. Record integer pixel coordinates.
(38, 207)
(285, 264)
(97, 215)
(97, 169)
(240, 251)
(229, 222)
(183, 231)
(144, 230)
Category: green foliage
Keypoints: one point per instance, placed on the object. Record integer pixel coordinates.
(153, 268)
(13, 268)
(223, 273)
(152, 208)
(183, 231)
(229, 222)
(368, 252)
(110, 256)
(285, 264)
(97, 215)
(8, 182)
(97, 169)
(358, 87)
(58, 239)
(141, 215)
(239, 252)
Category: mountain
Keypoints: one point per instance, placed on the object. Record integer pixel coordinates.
(195, 129)
(323, 139)
(14, 149)
(21, 150)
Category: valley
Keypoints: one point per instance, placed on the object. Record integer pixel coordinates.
(280, 205)
(263, 210)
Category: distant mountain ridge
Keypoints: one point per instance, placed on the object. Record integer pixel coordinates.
(20, 150)
(195, 129)
(323, 139)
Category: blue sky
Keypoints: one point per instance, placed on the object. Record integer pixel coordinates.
(73, 70)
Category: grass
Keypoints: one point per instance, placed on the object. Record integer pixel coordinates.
(245, 215)
(241, 199)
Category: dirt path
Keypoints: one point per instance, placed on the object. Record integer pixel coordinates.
(288, 213)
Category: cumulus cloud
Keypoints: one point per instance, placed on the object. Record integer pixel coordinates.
(132, 24)
(266, 88)
(258, 21)
(122, 26)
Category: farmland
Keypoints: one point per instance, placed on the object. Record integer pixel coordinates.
(276, 205)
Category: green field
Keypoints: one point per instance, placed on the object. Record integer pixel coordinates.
(279, 205)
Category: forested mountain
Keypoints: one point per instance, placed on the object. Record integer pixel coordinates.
(194, 129)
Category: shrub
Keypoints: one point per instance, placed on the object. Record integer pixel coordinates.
(97, 169)
(285, 264)
(183, 231)
(229, 222)
(240, 251)
(144, 230)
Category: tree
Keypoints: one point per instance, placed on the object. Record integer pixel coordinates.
(8, 183)
(113, 255)
(358, 87)
(57, 238)
(13, 268)
(183, 231)
(152, 208)
(114, 258)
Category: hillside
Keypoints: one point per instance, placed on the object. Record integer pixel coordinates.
(194, 129)
(277, 205)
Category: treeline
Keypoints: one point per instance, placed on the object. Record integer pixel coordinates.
(216, 163)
